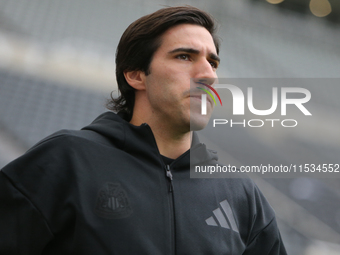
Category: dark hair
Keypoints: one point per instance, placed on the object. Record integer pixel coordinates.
(140, 41)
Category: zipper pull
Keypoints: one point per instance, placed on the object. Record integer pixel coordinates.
(169, 175)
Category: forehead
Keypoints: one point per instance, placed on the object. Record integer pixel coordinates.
(188, 36)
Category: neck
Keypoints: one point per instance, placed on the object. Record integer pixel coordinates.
(172, 147)
(170, 142)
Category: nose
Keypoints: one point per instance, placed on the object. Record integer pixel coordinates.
(204, 72)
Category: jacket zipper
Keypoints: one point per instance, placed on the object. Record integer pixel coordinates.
(169, 175)
(172, 211)
(171, 189)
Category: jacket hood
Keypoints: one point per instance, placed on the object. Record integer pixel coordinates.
(140, 141)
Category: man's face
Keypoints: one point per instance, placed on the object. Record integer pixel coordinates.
(186, 52)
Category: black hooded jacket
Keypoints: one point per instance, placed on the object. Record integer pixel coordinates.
(106, 190)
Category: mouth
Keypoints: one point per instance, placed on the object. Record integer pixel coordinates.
(199, 98)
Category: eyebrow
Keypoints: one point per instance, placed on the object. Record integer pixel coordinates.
(215, 57)
(194, 51)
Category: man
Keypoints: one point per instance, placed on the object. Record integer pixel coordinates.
(122, 185)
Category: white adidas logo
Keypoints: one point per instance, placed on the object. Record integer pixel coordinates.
(225, 220)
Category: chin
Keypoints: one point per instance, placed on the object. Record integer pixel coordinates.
(198, 121)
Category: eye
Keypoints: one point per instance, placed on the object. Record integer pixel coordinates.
(214, 64)
(183, 56)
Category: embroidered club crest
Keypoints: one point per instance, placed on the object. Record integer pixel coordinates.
(112, 202)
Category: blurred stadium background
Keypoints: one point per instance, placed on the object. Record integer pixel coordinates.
(57, 70)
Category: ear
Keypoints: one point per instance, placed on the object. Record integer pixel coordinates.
(136, 79)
